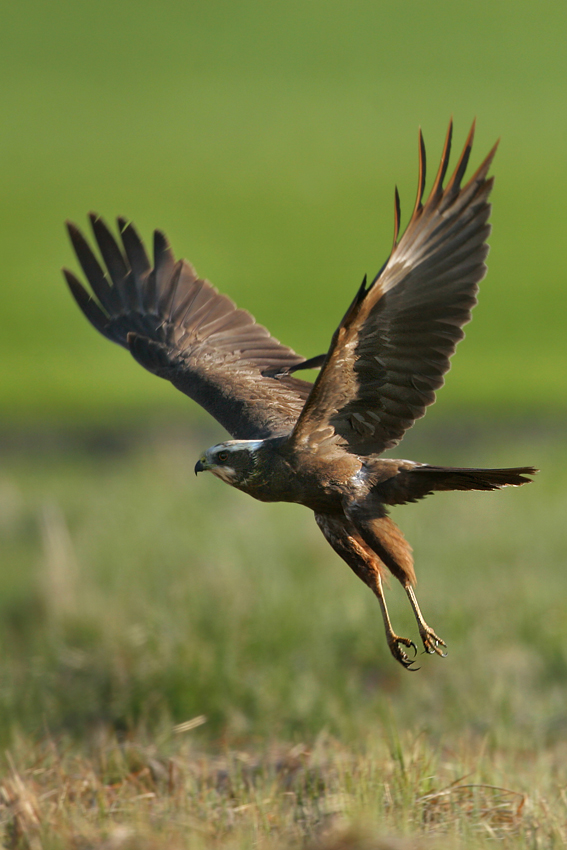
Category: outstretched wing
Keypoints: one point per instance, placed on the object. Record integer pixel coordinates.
(180, 328)
(392, 348)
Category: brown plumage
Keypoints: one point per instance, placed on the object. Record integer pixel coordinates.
(318, 445)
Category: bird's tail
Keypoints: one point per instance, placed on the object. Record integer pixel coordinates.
(456, 478)
(409, 485)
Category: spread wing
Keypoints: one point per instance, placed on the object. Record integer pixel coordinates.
(180, 328)
(392, 348)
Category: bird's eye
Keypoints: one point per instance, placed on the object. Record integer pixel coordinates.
(222, 457)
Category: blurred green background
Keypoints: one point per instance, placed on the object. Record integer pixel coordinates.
(266, 139)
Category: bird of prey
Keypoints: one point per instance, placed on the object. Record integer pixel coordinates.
(319, 444)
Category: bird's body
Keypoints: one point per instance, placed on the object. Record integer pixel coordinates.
(318, 445)
(268, 471)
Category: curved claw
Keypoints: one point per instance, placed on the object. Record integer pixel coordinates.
(402, 656)
(432, 643)
(408, 665)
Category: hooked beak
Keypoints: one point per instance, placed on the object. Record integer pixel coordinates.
(200, 466)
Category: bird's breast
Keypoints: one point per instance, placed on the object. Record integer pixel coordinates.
(305, 479)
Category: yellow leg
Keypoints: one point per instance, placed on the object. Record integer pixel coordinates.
(431, 641)
(393, 639)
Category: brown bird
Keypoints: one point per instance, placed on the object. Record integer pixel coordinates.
(318, 444)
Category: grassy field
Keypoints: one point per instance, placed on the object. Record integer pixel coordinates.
(139, 598)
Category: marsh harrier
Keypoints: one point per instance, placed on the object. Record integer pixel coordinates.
(320, 444)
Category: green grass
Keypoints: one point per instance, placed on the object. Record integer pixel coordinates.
(266, 140)
(135, 597)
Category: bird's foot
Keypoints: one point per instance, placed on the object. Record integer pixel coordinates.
(394, 643)
(432, 642)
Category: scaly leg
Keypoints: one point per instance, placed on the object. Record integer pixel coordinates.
(393, 639)
(431, 641)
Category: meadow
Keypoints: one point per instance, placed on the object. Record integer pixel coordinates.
(184, 667)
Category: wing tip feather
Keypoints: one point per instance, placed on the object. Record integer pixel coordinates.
(87, 304)
(454, 184)
(479, 175)
(422, 174)
(437, 187)
(397, 216)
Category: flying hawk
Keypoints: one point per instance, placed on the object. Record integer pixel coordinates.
(318, 444)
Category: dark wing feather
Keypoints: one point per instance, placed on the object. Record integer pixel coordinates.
(180, 328)
(392, 348)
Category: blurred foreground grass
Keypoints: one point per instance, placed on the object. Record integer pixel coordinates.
(135, 597)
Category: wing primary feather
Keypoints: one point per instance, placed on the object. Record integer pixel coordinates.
(437, 187)
(480, 173)
(166, 293)
(111, 253)
(164, 259)
(421, 179)
(454, 183)
(164, 264)
(87, 304)
(397, 215)
(93, 271)
(134, 247)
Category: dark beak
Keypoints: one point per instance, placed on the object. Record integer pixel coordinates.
(199, 467)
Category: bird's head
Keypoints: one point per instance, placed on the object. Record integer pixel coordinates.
(233, 461)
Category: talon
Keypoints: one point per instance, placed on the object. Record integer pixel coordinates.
(432, 643)
(402, 656)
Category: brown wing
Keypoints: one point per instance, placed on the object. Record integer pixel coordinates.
(180, 328)
(392, 348)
